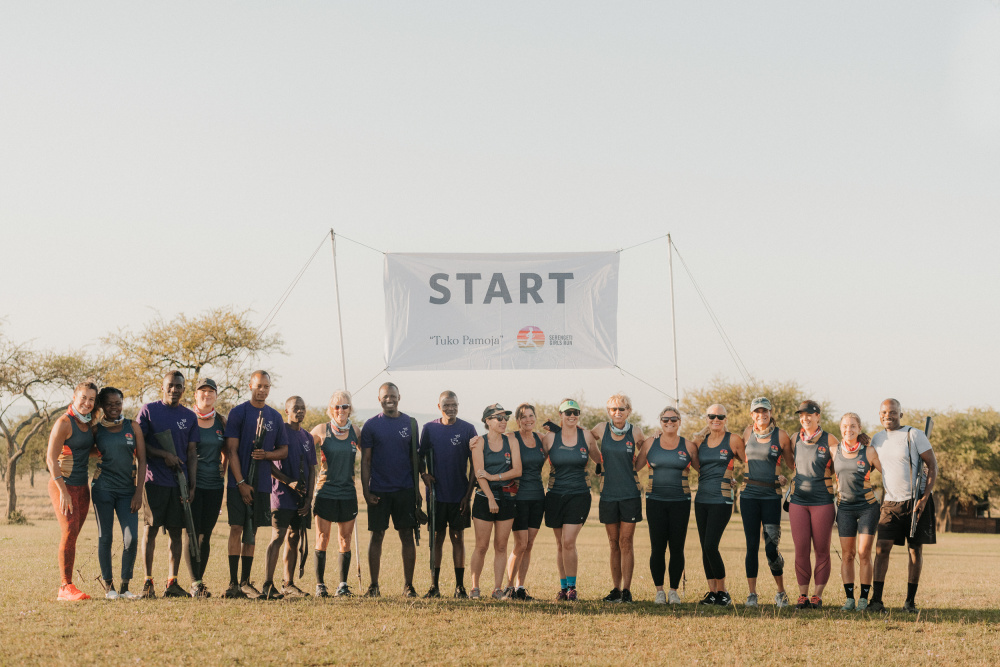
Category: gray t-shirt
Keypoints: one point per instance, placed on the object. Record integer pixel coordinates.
(899, 471)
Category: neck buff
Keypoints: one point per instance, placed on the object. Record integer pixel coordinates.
(207, 415)
(766, 434)
(616, 430)
(850, 450)
(802, 434)
(338, 429)
(108, 423)
(83, 419)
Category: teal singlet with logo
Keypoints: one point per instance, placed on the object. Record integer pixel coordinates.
(532, 460)
(762, 466)
(74, 459)
(569, 465)
(716, 473)
(853, 479)
(116, 468)
(669, 481)
(336, 466)
(620, 479)
(210, 456)
(813, 460)
(495, 463)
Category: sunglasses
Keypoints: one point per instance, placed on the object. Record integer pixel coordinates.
(341, 407)
(501, 418)
(718, 417)
(669, 420)
(571, 413)
(617, 409)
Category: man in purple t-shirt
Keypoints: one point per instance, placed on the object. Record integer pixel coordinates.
(161, 500)
(453, 481)
(387, 471)
(291, 488)
(241, 429)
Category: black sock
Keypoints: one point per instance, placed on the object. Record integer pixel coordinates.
(849, 589)
(345, 566)
(864, 590)
(320, 567)
(124, 587)
(460, 576)
(234, 570)
(247, 564)
(435, 577)
(911, 592)
(877, 590)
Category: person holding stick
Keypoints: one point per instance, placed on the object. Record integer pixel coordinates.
(903, 451)
(452, 479)
(336, 495)
(176, 425)
(858, 512)
(115, 489)
(67, 457)
(211, 480)
(713, 503)
(529, 503)
(497, 466)
(254, 432)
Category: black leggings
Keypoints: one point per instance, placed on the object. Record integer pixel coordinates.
(205, 511)
(762, 514)
(668, 525)
(712, 520)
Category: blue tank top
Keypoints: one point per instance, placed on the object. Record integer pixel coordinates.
(716, 474)
(813, 480)
(532, 460)
(116, 467)
(213, 440)
(854, 479)
(618, 456)
(336, 466)
(762, 466)
(669, 481)
(569, 465)
(74, 459)
(495, 463)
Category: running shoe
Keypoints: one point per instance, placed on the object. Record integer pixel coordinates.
(434, 592)
(460, 593)
(614, 596)
(148, 590)
(508, 593)
(571, 595)
(522, 594)
(877, 606)
(409, 591)
(270, 592)
(626, 596)
(474, 594)
(673, 597)
(249, 590)
(293, 591)
(373, 591)
(321, 591)
(343, 591)
(848, 605)
(722, 599)
(201, 592)
(803, 602)
(661, 597)
(708, 599)
(70, 593)
(498, 594)
(910, 606)
(173, 590)
(561, 595)
(781, 600)
(862, 604)
(128, 595)
(751, 600)
(234, 592)
(815, 602)
(112, 594)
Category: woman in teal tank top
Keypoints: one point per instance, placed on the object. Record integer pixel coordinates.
(67, 456)
(497, 466)
(529, 504)
(122, 461)
(620, 506)
(567, 503)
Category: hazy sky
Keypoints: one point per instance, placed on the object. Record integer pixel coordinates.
(829, 171)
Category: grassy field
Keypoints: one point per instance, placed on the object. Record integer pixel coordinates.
(958, 623)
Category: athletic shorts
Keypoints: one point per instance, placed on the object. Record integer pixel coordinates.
(894, 523)
(561, 510)
(620, 511)
(864, 520)
(400, 505)
(449, 515)
(238, 509)
(336, 511)
(528, 514)
(161, 506)
(481, 508)
(286, 518)
(205, 509)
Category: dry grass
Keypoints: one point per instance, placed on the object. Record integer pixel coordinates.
(958, 624)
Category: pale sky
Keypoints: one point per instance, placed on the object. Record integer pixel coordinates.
(829, 171)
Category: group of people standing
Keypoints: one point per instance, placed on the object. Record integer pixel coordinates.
(271, 471)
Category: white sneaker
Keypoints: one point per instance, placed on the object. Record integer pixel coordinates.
(751, 600)
(661, 598)
(673, 597)
(128, 595)
(781, 600)
(111, 595)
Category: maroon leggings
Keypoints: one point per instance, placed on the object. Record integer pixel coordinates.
(815, 524)
(70, 525)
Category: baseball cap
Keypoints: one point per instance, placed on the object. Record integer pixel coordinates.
(760, 402)
(568, 405)
(808, 407)
(493, 410)
(208, 382)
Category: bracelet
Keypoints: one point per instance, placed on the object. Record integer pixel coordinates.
(242, 481)
(56, 479)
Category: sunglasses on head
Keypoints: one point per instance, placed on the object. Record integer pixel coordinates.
(718, 417)
(571, 413)
(669, 420)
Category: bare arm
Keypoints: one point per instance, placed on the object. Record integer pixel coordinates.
(515, 463)
(593, 447)
(58, 436)
(786, 449)
(640, 457)
(930, 459)
(476, 447)
(366, 473)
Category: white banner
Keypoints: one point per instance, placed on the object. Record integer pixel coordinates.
(501, 311)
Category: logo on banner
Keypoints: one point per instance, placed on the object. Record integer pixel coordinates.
(531, 339)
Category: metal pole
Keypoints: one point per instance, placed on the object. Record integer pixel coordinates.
(340, 321)
(673, 319)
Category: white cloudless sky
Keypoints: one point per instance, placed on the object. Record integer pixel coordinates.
(829, 172)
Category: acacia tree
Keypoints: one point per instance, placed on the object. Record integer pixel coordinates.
(220, 343)
(37, 385)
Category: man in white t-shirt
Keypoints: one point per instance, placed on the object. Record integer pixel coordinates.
(902, 451)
